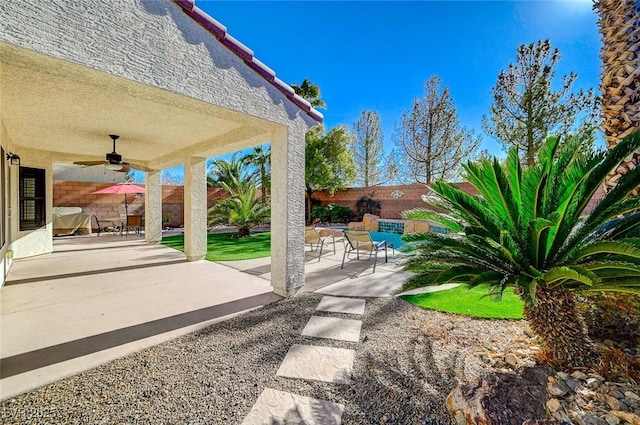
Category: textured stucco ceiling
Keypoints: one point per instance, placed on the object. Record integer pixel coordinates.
(53, 105)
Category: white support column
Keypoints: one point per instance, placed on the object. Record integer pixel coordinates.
(287, 212)
(153, 207)
(195, 208)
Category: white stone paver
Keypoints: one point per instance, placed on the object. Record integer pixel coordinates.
(341, 305)
(278, 407)
(333, 328)
(318, 364)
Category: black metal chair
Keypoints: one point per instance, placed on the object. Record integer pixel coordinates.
(98, 227)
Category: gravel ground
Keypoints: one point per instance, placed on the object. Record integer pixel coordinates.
(407, 361)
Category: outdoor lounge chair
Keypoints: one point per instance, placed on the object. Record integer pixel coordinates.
(360, 241)
(313, 238)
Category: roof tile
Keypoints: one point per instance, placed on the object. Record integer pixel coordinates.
(246, 54)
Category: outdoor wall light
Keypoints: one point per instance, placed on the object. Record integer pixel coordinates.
(13, 159)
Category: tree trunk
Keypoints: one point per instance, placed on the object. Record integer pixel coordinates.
(244, 232)
(557, 321)
(619, 23)
(308, 194)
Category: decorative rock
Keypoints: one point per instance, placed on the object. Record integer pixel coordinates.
(611, 420)
(501, 398)
(613, 403)
(573, 383)
(579, 375)
(511, 360)
(593, 420)
(632, 418)
(593, 382)
(558, 389)
(553, 404)
(459, 418)
(631, 395)
(616, 394)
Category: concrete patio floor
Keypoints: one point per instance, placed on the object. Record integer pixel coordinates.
(97, 299)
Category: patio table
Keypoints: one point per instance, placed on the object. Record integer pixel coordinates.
(117, 223)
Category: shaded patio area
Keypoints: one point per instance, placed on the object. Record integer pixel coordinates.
(95, 299)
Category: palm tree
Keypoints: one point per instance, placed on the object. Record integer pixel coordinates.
(310, 92)
(242, 209)
(619, 22)
(261, 158)
(525, 231)
(228, 172)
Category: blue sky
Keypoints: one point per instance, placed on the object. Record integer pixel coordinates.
(377, 55)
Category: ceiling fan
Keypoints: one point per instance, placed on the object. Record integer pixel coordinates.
(114, 160)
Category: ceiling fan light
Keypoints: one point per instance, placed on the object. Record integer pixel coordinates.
(114, 167)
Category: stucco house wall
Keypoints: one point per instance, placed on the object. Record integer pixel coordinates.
(157, 43)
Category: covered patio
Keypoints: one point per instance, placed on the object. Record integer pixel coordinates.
(175, 87)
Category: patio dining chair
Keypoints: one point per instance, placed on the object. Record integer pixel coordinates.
(133, 222)
(99, 227)
(360, 241)
(313, 238)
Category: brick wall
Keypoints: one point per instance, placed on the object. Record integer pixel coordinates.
(392, 207)
(78, 194)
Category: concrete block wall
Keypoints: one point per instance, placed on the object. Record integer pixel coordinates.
(78, 194)
(391, 207)
(412, 198)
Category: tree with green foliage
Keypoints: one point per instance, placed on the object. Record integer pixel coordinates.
(328, 162)
(525, 109)
(432, 138)
(525, 231)
(367, 149)
(261, 157)
(242, 208)
(310, 92)
(223, 172)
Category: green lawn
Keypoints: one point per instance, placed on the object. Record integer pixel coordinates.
(225, 247)
(469, 302)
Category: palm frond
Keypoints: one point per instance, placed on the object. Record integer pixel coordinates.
(566, 274)
(608, 248)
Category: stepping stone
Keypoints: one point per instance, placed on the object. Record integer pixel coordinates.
(278, 407)
(333, 328)
(341, 305)
(318, 364)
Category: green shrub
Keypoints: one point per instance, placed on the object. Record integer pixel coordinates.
(367, 205)
(332, 213)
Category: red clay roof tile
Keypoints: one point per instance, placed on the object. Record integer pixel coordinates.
(246, 54)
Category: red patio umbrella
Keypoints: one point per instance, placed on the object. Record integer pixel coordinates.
(120, 188)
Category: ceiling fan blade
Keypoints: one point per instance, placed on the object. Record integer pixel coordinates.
(90, 163)
(125, 168)
(138, 167)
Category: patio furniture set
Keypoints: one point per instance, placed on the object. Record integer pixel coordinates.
(356, 243)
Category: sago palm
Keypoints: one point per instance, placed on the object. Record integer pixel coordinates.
(242, 209)
(525, 231)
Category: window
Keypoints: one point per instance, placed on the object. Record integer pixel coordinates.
(32, 198)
